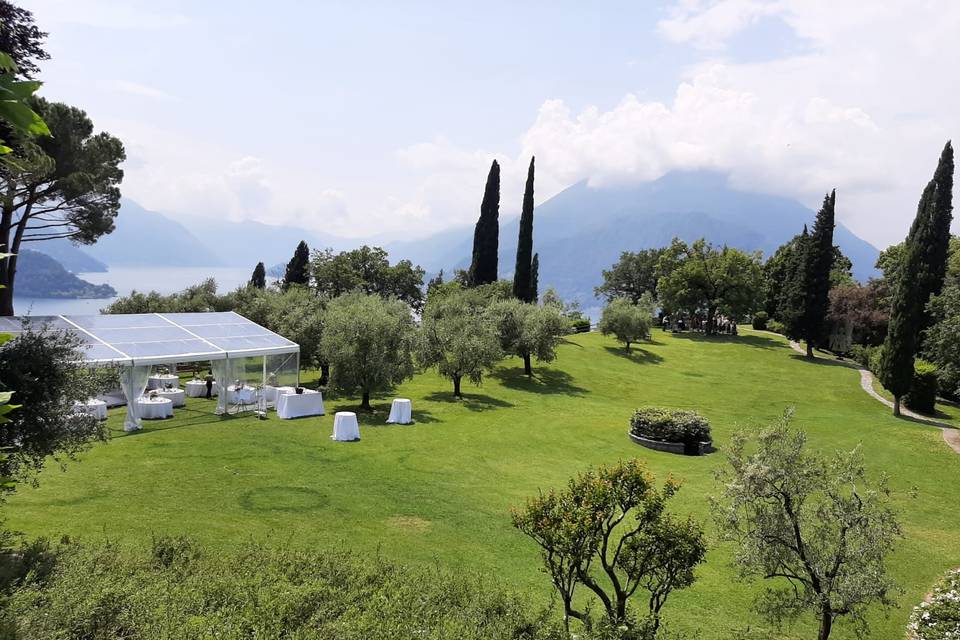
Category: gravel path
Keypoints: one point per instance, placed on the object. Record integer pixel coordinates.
(951, 435)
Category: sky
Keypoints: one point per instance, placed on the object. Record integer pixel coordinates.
(380, 119)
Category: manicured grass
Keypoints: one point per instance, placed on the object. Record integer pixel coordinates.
(440, 491)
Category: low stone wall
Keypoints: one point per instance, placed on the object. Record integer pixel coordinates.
(670, 447)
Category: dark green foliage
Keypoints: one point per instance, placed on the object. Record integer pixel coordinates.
(633, 275)
(907, 312)
(817, 268)
(670, 425)
(941, 217)
(942, 341)
(486, 235)
(40, 368)
(181, 591)
(923, 388)
(21, 39)
(580, 326)
(777, 327)
(791, 302)
(523, 283)
(760, 320)
(298, 268)
(535, 278)
(867, 356)
(259, 277)
(368, 270)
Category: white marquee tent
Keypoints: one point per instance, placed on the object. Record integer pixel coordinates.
(138, 341)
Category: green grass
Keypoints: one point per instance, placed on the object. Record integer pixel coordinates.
(440, 491)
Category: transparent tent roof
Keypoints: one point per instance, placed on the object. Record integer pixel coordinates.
(159, 338)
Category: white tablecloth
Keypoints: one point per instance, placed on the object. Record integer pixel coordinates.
(176, 396)
(298, 405)
(96, 408)
(155, 409)
(159, 382)
(345, 427)
(198, 389)
(401, 411)
(273, 393)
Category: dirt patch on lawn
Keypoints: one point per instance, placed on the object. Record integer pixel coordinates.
(409, 523)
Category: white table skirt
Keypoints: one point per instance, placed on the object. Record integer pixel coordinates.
(156, 409)
(176, 396)
(401, 412)
(272, 394)
(345, 427)
(159, 382)
(244, 395)
(299, 405)
(198, 389)
(95, 408)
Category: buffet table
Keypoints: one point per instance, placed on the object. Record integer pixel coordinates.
(273, 393)
(299, 405)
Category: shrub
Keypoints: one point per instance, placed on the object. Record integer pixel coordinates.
(181, 591)
(760, 320)
(670, 425)
(776, 326)
(862, 353)
(580, 326)
(923, 388)
(939, 617)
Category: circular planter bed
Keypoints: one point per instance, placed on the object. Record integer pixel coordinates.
(689, 449)
(671, 430)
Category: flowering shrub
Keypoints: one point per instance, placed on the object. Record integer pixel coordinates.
(670, 425)
(939, 617)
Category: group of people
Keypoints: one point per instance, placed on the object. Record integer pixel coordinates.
(721, 324)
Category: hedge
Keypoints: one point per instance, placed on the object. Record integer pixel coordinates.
(670, 425)
(923, 389)
(760, 320)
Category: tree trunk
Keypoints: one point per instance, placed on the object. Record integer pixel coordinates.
(365, 404)
(708, 327)
(527, 367)
(809, 349)
(6, 299)
(628, 346)
(324, 374)
(456, 388)
(826, 622)
(896, 406)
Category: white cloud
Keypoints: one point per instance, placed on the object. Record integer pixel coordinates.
(708, 24)
(142, 90)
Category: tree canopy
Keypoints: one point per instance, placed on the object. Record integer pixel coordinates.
(631, 276)
(366, 269)
(629, 322)
(524, 288)
(528, 330)
(21, 39)
(486, 234)
(298, 268)
(259, 277)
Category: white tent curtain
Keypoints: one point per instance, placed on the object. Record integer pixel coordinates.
(223, 373)
(133, 382)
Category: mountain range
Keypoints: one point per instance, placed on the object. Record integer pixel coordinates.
(578, 233)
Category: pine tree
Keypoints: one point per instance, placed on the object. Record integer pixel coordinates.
(483, 268)
(791, 309)
(297, 269)
(522, 279)
(817, 265)
(534, 278)
(906, 314)
(259, 277)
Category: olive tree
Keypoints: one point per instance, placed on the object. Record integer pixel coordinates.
(528, 331)
(369, 342)
(816, 528)
(457, 338)
(627, 321)
(609, 531)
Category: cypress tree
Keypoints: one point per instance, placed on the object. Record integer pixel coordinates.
(522, 277)
(818, 263)
(906, 314)
(297, 268)
(791, 308)
(534, 278)
(942, 216)
(259, 277)
(483, 267)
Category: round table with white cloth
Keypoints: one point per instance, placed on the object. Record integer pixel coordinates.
(198, 389)
(96, 408)
(243, 395)
(177, 396)
(161, 381)
(300, 405)
(154, 408)
(272, 394)
(401, 412)
(345, 427)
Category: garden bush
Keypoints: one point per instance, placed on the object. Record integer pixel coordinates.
(580, 326)
(776, 326)
(760, 320)
(923, 389)
(863, 354)
(670, 425)
(180, 590)
(939, 617)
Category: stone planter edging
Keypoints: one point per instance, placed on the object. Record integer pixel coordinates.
(670, 447)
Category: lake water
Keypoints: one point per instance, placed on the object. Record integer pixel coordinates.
(165, 280)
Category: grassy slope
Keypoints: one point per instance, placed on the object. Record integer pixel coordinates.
(440, 491)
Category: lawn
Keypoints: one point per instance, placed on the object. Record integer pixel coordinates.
(440, 491)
